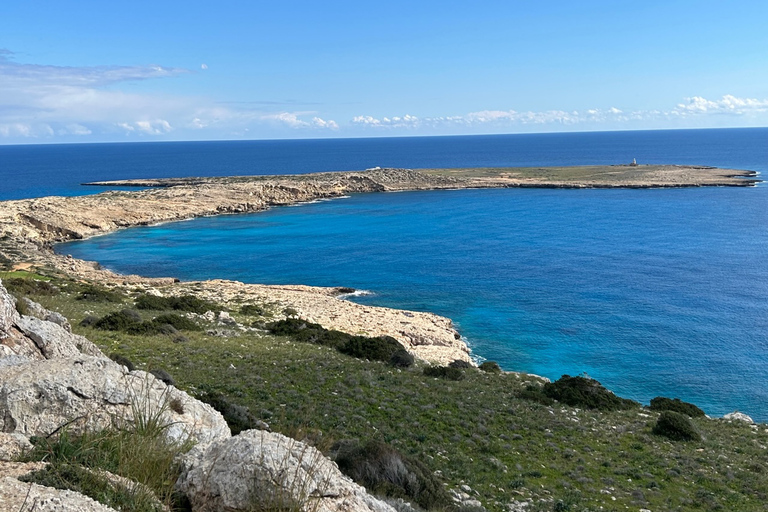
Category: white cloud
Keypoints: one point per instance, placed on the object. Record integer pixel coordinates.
(613, 116)
(294, 120)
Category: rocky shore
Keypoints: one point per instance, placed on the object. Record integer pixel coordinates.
(29, 229)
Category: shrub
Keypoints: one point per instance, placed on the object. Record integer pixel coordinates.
(27, 286)
(92, 293)
(401, 358)
(89, 321)
(444, 372)
(188, 303)
(253, 310)
(490, 367)
(459, 363)
(661, 403)
(118, 321)
(238, 418)
(535, 394)
(587, 393)
(385, 471)
(374, 349)
(163, 376)
(179, 322)
(676, 426)
(308, 332)
(120, 359)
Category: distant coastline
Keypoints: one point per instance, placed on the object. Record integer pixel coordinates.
(31, 227)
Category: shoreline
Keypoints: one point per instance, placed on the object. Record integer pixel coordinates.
(29, 228)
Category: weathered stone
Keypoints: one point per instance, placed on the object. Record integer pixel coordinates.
(13, 445)
(89, 393)
(8, 313)
(52, 340)
(738, 416)
(38, 311)
(19, 496)
(263, 469)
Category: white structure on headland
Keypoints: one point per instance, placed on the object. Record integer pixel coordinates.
(634, 162)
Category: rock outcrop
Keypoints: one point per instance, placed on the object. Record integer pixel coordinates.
(259, 467)
(48, 383)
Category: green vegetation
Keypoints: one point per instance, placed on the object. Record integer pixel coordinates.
(665, 404)
(188, 303)
(585, 392)
(444, 372)
(140, 453)
(482, 431)
(130, 321)
(676, 426)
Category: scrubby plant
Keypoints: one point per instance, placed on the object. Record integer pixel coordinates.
(385, 471)
(490, 367)
(401, 358)
(91, 293)
(118, 321)
(444, 372)
(29, 286)
(459, 363)
(163, 376)
(254, 310)
(238, 418)
(188, 303)
(535, 393)
(676, 426)
(120, 359)
(129, 321)
(587, 393)
(89, 321)
(661, 403)
(380, 348)
(179, 322)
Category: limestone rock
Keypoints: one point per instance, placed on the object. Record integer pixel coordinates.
(269, 470)
(19, 496)
(738, 416)
(40, 312)
(51, 339)
(8, 313)
(89, 393)
(13, 445)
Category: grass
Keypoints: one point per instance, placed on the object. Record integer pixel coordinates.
(480, 431)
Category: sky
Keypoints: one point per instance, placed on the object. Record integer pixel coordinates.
(96, 71)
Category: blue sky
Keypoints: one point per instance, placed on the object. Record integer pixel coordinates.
(88, 71)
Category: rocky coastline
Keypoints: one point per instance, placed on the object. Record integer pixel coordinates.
(29, 229)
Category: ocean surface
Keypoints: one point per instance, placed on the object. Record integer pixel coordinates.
(652, 292)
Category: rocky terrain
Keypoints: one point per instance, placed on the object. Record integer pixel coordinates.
(53, 381)
(30, 227)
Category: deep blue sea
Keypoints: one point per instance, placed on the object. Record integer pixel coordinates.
(652, 292)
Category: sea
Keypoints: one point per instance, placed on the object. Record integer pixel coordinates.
(660, 292)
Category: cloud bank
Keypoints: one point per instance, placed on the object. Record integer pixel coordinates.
(64, 102)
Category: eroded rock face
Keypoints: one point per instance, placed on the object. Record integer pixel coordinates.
(12, 446)
(8, 313)
(16, 495)
(90, 393)
(738, 416)
(267, 469)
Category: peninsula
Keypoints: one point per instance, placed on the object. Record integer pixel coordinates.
(29, 228)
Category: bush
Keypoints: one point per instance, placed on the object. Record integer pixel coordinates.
(490, 367)
(444, 372)
(253, 310)
(401, 358)
(179, 322)
(120, 359)
(587, 393)
(308, 332)
(188, 303)
(26, 286)
(535, 394)
(665, 404)
(118, 321)
(238, 418)
(385, 471)
(92, 293)
(459, 363)
(375, 349)
(163, 376)
(89, 321)
(676, 426)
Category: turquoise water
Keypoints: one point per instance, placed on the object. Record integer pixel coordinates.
(652, 292)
